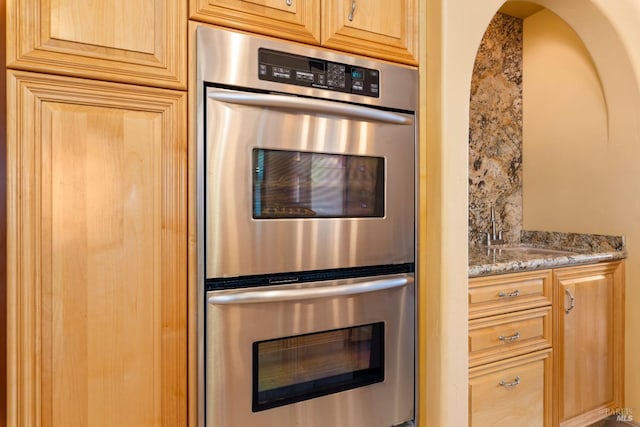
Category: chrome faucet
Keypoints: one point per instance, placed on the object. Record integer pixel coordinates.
(494, 237)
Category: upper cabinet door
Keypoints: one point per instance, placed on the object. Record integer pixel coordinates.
(379, 28)
(141, 41)
(289, 19)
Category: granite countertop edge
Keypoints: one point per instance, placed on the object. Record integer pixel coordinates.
(577, 249)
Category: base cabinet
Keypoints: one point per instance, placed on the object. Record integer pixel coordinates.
(589, 346)
(510, 355)
(96, 286)
(515, 321)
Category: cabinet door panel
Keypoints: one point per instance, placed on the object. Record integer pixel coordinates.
(97, 270)
(590, 316)
(377, 28)
(142, 42)
(298, 21)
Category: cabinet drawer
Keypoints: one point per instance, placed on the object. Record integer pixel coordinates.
(514, 392)
(510, 292)
(499, 337)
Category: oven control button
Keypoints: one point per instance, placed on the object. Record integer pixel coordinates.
(281, 72)
(304, 76)
(336, 75)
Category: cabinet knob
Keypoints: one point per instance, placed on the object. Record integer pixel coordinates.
(289, 2)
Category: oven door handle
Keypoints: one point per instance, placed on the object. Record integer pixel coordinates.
(278, 295)
(298, 105)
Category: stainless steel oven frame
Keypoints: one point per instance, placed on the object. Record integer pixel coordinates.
(217, 67)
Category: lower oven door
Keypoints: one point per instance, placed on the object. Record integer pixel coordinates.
(338, 353)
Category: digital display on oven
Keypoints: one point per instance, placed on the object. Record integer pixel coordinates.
(283, 67)
(296, 184)
(291, 369)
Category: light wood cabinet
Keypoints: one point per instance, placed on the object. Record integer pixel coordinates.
(297, 20)
(513, 392)
(96, 270)
(491, 295)
(510, 350)
(376, 28)
(499, 337)
(141, 42)
(589, 334)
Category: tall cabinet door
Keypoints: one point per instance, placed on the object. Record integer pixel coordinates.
(589, 348)
(96, 184)
(379, 28)
(141, 41)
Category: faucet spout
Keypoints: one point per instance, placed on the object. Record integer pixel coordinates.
(495, 236)
(493, 222)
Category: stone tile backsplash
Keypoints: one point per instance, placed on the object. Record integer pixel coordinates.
(495, 132)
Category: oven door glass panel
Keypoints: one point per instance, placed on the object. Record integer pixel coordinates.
(292, 369)
(295, 184)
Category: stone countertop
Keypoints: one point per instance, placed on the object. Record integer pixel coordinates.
(539, 250)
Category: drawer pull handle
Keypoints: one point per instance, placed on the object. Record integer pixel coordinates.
(353, 10)
(572, 301)
(514, 383)
(512, 338)
(289, 2)
(509, 294)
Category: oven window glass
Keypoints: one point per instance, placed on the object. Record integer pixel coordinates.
(292, 369)
(295, 184)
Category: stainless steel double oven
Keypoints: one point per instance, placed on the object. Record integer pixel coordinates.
(306, 216)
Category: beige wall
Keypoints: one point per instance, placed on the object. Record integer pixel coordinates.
(451, 31)
(566, 146)
(580, 164)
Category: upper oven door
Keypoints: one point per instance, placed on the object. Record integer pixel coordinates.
(299, 184)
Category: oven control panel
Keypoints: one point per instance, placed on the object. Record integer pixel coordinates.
(300, 70)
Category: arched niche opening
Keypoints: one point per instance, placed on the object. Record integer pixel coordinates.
(546, 111)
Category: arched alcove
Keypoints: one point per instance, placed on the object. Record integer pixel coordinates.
(580, 136)
(451, 31)
(565, 111)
